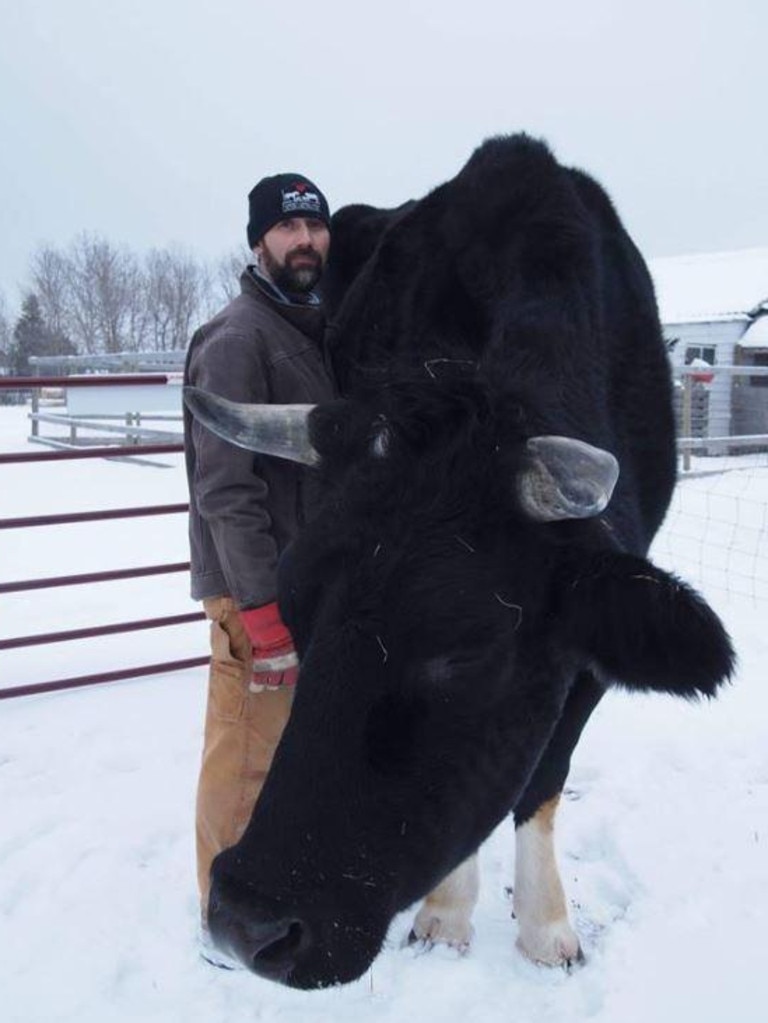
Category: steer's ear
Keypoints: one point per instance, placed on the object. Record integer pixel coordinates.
(645, 629)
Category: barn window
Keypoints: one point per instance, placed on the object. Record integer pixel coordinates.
(706, 352)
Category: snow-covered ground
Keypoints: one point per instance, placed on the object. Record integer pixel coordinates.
(663, 835)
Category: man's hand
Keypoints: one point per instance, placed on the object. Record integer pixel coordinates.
(275, 662)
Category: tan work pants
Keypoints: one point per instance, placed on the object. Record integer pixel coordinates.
(242, 730)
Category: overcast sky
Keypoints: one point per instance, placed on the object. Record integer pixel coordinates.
(148, 121)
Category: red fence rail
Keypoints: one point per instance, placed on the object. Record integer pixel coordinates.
(27, 522)
(89, 380)
(112, 513)
(92, 577)
(112, 451)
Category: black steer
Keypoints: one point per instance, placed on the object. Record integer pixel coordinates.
(477, 574)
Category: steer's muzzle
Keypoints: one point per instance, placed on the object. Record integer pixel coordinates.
(267, 944)
(302, 943)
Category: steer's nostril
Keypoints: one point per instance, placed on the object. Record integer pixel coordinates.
(281, 950)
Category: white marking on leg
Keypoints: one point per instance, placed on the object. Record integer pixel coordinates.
(446, 915)
(545, 934)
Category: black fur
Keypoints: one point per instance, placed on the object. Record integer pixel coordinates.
(450, 647)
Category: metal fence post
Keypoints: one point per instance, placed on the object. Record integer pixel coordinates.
(687, 417)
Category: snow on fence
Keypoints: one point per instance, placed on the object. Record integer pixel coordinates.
(107, 409)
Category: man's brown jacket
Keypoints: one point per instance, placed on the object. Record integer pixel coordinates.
(246, 508)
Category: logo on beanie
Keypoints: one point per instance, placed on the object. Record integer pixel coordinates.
(299, 198)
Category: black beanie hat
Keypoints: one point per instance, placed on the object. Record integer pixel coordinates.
(280, 197)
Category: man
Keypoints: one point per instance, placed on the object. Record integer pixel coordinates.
(265, 346)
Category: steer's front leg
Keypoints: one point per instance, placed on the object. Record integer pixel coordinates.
(545, 934)
(446, 915)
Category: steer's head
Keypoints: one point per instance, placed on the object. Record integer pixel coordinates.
(442, 602)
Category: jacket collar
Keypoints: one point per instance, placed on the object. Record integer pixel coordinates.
(309, 318)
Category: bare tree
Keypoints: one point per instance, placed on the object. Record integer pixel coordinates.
(51, 282)
(227, 276)
(175, 289)
(104, 282)
(106, 299)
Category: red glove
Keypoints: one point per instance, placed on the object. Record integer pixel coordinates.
(275, 662)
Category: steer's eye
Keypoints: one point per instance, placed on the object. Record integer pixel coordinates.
(381, 438)
(438, 670)
(446, 669)
(458, 675)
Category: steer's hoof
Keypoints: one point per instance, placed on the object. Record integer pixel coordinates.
(430, 931)
(551, 945)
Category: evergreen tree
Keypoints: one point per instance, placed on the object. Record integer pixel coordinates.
(5, 336)
(33, 336)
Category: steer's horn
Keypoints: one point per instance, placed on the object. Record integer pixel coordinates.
(279, 430)
(566, 479)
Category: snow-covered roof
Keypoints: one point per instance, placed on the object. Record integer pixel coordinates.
(756, 335)
(710, 286)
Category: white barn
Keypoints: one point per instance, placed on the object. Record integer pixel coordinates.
(714, 308)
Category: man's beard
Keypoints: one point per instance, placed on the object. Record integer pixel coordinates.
(293, 276)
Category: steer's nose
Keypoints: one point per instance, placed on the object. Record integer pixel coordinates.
(264, 941)
(273, 952)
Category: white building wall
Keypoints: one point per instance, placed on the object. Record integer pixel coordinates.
(722, 335)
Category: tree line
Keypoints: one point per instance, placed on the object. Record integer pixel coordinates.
(94, 297)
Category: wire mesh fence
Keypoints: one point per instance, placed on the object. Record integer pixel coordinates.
(717, 525)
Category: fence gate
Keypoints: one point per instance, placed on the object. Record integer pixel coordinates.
(122, 442)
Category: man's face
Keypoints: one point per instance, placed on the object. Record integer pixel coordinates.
(293, 253)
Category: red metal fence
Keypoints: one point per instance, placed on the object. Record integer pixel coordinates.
(108, 451)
